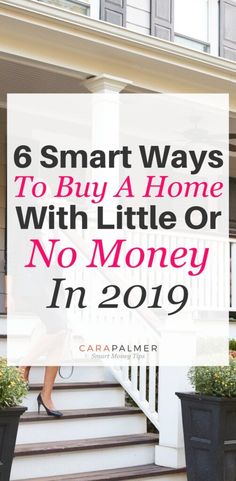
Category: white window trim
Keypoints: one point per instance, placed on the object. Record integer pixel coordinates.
(192, 39)
(95, 9)
(213, 26)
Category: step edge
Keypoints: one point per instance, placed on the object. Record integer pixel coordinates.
(79, 385)
(122, 473)
(34, 417)
(128, 440)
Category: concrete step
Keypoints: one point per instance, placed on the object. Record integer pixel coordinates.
(84, 395)
(3, 345)
(80, 424)
(73, 374)
(66, 374)
(68, 457)
(147, 472)
(3, 324)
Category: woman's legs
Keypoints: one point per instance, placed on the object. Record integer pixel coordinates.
(49, 379)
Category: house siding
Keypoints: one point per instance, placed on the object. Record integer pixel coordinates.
(138, 16)
(2, 207)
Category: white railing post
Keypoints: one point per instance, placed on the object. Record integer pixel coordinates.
(170, 451)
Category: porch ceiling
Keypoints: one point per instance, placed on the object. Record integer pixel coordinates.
(232, 167)
(22, 78)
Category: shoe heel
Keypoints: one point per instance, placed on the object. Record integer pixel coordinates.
(39, 404)
(50, 412)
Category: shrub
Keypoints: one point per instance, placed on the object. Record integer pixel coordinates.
(232, 344)
(12, 385)
(217, 381)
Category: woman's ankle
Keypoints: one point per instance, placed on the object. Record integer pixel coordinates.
(47, 399)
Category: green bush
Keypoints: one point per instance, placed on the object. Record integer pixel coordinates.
(217, 381)
(232, 344)
(12, 385)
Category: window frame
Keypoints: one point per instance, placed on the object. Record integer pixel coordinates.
(82, 3)
(212, 43)
(206, 45)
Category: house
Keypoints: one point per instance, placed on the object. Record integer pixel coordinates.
(112, 46)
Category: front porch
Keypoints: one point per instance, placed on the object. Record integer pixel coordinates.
(70, 53)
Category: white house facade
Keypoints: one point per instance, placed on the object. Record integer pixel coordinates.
(69, 46)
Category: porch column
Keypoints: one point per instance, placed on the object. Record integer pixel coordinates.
(170, 451)
(106, 84)
(106, 136)
(106, 127)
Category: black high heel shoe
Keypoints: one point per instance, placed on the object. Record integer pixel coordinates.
(50, 412)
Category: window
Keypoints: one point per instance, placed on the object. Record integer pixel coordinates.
(73, 5)
(191, 24)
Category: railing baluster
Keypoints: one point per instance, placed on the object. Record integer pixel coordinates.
(125, 372)
(142, 383)
(152, 388)
(134, 377)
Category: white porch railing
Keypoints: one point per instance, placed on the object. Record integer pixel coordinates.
(141, 383)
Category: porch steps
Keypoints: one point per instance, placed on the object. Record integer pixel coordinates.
(76, 374)
(84, 395)
(68, 457)
(150, 471)
(97, 439)
(84, 444)
(78, 385)
(3, 323)
(3, 345)
(81, 423)
(29, 417)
